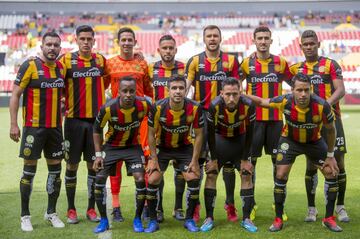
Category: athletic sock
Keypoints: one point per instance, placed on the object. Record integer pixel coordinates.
(342, 187)
(70, 187)
(331, 189)
(91, 187)
(159, 206)
(279, 196)
(100, 194)
(140, 196)
(151, 198)
(311, 182)
(179, 188)
(247, 197)
(192, 197)
(26, 183)
(53, 186)
(210, 197)
(229, 180)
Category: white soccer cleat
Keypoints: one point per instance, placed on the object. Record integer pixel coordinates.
(26, 225)
(54, 219)
(342, 214)
(311, 215)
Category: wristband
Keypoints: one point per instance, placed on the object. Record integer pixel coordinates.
(330, 154)
(99, 154)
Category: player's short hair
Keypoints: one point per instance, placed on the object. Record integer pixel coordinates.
(175, 78)
(211, 27)
(84, 28)
(50, 34)
(230, 81)
(261, 29)
(309, 33)
(126, 78)
(125, 29)
(300, 77)
(166, 37)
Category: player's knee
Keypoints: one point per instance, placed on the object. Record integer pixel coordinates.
(72, 167)
(154, 178)
(139, 176)
(211, 179)
(281, 175)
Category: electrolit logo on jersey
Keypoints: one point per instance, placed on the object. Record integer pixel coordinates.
(157, 83)
(316, 80)
(302, 126)
(133, 125)
(177, 130)
(231, 126)
(219, 76)
(92, 72)
(59, 83)
(269, 78)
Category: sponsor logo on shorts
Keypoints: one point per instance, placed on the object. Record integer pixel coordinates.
(136, 165)
(56, 154)
(316, 118)
(27, 151)
(66, 145)
(186, 167)
(29, 139)
(284, 146)
(225, 64)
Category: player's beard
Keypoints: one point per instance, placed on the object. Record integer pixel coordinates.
(52, 58)
(213, 50)
(168, 60)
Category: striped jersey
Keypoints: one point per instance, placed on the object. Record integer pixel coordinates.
(123, 124)
(117, 68)
(43, 84)
(322, 73)
(159, 76)
(206, 75)
(303, 125)
(173, 128)
(264, 79)
(84, 84)
(231, 123)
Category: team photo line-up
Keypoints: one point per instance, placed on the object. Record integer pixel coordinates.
(196, 115)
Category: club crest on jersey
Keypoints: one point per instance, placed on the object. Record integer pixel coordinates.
(277, 67)
(242, 117)
(316, 118)
(189, 118)
(321, 69)
(225, 64)
(181, 72)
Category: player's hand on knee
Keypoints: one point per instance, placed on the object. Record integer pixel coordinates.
(330, 166)
(194, 167)
(153, 165)
(246, 167)
(211, 166)
(98, 164)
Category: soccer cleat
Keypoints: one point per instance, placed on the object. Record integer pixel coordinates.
(253, 213)
(178, 214)
(276, 225)
(330, 223)
(231, 212)
(160, 216)
(342, 214)
(72, 217)
(137, 225)
(145, 214)
(284, 215)
(248, 225)
(54, 219)
(196, 214)
(26, 225)
(103, 226)
(311, 215)
(92, 216)
(117, 215)
(153, 226)
(190, 225)
(208, 225)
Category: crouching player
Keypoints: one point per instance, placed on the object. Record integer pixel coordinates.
(170, 123)
(305, 114)
(123, 115)
(230, 118)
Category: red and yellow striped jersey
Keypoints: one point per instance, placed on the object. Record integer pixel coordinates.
(303, 125)
(231, 123)
(124, 124)
(206, 75)
(116, 68)
(43, 84)
(84, 84)
(173, 128)
(264, 79)
(322, 73)
(159, 76)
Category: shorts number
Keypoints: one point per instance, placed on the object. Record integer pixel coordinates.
(340, 141)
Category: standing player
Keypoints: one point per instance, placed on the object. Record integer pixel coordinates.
(170, 123)
(116, 68)
(205, 72)
(327, 82)
(264, 74)
(41, 81)
(305, 115)
(123, 115)
(230, 119)
(159, 73)
(84, 95)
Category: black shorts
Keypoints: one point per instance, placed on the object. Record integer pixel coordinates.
(79, 140)
(340, 143)
(289, 149)
(132, 156)
(266, 134)
(230, 150)
(182, 156)
(35, 140)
